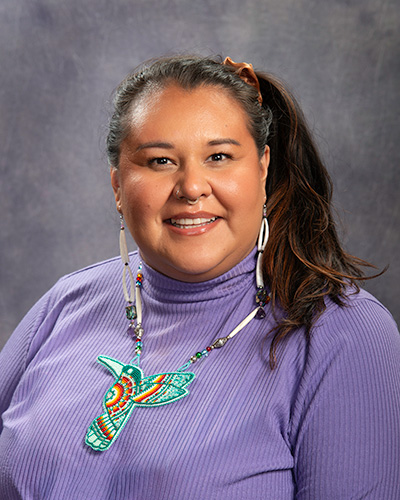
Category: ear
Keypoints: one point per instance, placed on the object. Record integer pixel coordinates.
(115, 183)
(264, 164)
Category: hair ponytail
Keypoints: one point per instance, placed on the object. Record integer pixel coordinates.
(303, 261)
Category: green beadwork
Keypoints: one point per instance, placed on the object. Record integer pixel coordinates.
(132, 389)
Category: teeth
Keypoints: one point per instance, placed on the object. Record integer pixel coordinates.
(192, 222)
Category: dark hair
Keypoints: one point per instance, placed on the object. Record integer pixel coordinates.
(303, 262)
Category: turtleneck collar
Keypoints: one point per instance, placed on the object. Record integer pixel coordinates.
(165, 289)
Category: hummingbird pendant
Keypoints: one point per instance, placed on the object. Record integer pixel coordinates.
(132, 389)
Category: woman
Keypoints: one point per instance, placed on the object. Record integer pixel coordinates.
(246, 366)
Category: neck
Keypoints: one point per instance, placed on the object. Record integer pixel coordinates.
(164, 288)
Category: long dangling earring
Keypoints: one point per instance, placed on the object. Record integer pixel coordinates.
(128, 294)
(132, 312)
(262, 297)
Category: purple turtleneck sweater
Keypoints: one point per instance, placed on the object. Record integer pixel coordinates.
(323, 425)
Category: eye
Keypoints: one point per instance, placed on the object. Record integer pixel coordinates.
(159, 161)
(218, 157)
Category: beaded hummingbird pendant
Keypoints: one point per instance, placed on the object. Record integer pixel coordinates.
(132, 389)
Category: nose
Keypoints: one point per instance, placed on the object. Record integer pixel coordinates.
(192, 182)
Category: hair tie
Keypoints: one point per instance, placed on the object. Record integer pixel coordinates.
(246, 72)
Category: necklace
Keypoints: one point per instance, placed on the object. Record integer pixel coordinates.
(131, 388)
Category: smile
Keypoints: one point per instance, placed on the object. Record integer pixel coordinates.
(198, 222)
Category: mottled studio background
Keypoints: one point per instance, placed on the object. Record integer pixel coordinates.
(60, 60)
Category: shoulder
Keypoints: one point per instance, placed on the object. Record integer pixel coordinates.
(98, 270)
(83, 293)
(362, 319)
(357, 302)
(99, 276)
(355, 341)
(361, 324)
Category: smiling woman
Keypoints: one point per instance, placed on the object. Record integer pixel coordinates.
(243, 295)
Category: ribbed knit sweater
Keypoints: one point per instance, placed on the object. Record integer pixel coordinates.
(323, 425)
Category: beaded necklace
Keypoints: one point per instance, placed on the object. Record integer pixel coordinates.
(131, 388)
(135, 329)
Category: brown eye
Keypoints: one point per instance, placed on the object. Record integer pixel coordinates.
(217, 157)
(159, 161)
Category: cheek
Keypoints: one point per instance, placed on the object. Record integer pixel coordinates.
(142, 197)
(243, 192)
(131, 194)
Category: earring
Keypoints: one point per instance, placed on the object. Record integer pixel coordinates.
(123, 247)
(132, 312)
(262, 297)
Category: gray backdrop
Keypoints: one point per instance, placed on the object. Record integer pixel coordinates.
(60, 60)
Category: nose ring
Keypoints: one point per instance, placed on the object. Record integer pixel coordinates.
(192, 202)
(188, 200)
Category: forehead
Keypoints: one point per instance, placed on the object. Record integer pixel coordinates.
(206, 107)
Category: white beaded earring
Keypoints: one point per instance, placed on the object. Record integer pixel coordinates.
(132, 312)
(262, 298)
(128, 294)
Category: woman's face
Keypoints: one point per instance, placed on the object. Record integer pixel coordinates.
(196, 142)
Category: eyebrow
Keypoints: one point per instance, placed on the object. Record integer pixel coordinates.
(226, 140)
(163, 145)
(168, 145)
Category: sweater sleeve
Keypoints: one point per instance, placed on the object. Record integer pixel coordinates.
(14, 355)
(346, 441)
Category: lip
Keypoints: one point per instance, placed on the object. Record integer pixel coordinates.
(192, 223)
